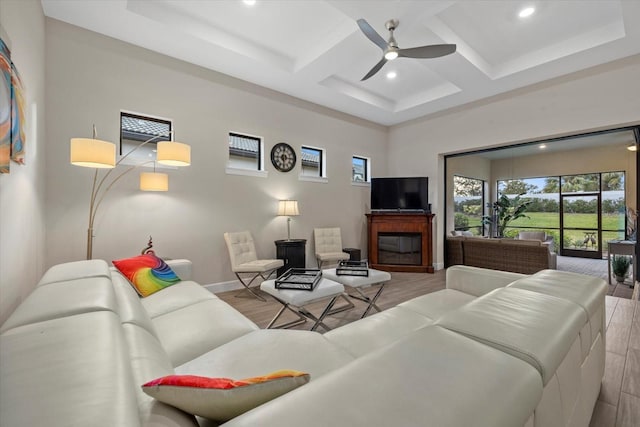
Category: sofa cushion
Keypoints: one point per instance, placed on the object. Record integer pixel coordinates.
(478, 281)
(64, 298)
(437, 303)
(587, 292)
(377, 331)
(221, 399)
(198, 328)
(267, 350)
(73, 370)
(147, 273)
(536, 328)
(432, 377)
(130, 306)
(76, 270)
(174, 298)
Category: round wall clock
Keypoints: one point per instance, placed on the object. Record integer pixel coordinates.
(283, 157)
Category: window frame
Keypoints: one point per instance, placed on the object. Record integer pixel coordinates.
(137, 160)
(260, 171)
(322, 165)
(483, 187)
(367, 170)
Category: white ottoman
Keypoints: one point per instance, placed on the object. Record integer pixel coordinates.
(294, 300)
(357, 283)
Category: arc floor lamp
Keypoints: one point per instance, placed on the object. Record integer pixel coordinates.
(98, 154)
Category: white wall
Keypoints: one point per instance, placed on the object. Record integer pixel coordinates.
(90, 78)
(22, 191)
(603, 97)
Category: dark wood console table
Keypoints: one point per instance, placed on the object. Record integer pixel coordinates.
(400, 241)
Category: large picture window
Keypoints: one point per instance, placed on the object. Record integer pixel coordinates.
(582, 212)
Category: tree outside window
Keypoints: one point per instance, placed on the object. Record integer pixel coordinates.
(468, 197)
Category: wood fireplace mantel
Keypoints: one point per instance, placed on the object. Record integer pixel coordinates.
(398, 222)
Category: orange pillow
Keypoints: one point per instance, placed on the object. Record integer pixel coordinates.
(221, 399)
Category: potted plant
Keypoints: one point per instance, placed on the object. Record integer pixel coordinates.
(620, 266)
(503, 211)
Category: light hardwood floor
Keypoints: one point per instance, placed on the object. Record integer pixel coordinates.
(619, 401)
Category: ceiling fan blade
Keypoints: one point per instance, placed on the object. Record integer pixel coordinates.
(431, 51)
(375, 69)
(372, 34)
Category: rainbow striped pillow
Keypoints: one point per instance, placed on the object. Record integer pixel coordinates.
(147, 273)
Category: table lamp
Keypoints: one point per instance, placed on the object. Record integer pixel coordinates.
(288, 208)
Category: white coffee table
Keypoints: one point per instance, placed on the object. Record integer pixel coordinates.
(357, 283)
(295, 301)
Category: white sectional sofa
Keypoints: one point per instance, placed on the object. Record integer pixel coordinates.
(493, 349)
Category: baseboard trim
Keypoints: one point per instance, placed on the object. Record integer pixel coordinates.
(438, 266)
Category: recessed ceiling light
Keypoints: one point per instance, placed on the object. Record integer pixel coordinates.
(391, 75)
(632, 147)
(542, 146)
(249, 2)
(526, 12)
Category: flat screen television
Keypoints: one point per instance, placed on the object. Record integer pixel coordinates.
(400, 194)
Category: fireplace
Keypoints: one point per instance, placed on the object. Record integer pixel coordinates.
(400, 248)
(400, 241)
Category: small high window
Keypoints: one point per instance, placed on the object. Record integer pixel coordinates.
(245, 152)
(313, 162)
(136, 129)
(360, 169)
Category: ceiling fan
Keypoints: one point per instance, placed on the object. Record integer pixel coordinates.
(391, 50)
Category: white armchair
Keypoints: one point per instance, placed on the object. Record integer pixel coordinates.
(244, 260)
(328, 245)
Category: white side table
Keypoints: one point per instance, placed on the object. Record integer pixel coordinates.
(294, 300)
(357, 283)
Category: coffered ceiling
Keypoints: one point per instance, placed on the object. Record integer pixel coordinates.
(315, 51)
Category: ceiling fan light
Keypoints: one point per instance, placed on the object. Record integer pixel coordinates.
(391, 55)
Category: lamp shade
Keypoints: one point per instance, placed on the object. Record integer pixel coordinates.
(173, 153)
(154, 181)
(93, 153)
(288, 208)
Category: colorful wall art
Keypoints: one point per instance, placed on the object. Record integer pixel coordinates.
(17, 117)
(12, 112)
(5, 107)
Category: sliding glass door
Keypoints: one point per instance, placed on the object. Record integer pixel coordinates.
(580, 224)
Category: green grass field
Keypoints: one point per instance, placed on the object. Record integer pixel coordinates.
(573, 238)
(552, 220)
